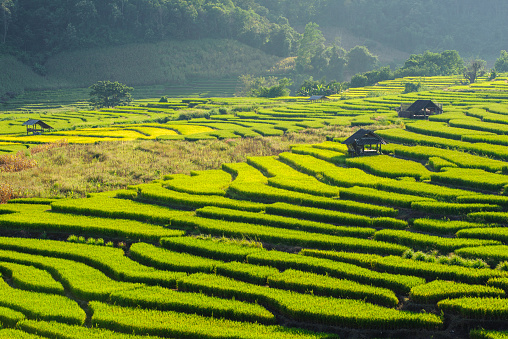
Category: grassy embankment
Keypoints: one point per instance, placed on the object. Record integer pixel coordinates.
(168, 63)
(75, 170)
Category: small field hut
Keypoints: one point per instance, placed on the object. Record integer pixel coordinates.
(316, 98)
(420, 109)
(32, 124)
(362, 142)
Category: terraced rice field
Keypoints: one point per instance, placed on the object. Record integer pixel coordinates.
(227, 118)
(308, 244)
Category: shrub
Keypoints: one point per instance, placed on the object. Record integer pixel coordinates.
(16, 163)
(6, 192)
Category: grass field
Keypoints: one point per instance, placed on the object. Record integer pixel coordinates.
(262, 226)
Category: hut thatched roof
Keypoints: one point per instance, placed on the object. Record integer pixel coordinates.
(33, 122)
(419, 105)
(364, 137)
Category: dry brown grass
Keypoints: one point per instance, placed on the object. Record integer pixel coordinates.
(75, 170)
(16, 163)
(6, 193)
(44, 147)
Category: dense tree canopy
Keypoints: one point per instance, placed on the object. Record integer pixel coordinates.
(263, 87)
(48, 26)
(432, 64)
(36, 28)
(475, 69)
(359, 59)
(471, 27)
(501, 64)
(109, 94)
(312, 44)
(315, 87)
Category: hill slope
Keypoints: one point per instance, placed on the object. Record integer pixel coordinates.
(166, 62)
(159, 63)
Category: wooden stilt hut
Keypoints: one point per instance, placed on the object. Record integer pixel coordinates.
(318, 98)
(420, 109)
(31, 126)
(364, 142)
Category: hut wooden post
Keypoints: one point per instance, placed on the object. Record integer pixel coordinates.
(356, 143)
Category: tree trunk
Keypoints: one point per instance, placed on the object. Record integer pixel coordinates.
(6, 24)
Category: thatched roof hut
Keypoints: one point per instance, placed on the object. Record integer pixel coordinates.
(420, 109)
(31, 126)
(357, 143)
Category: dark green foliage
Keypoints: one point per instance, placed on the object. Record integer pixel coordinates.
(259, 23)
(475, 69)
(109, 94)
(359, 59)
(358, 80)
(372, 77)
(313, 87)
(431, 64)
(263, 87)
(311, 44)
(412, 87)
(314, 58)
(91, 23)
(275, 91)
(501, 64)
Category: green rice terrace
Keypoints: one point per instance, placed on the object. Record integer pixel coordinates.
(309, 243)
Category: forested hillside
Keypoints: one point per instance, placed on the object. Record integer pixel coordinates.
(71, 40)
(46, 26)
(471, 27)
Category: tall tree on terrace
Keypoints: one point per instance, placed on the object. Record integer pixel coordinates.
(475, 69)
(109, 94)
(311, 44)
(501, 64)
(359, 60)
(7, 7)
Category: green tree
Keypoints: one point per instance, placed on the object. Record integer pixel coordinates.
(501, 64)
(7, 7)
(358, 80)
(372, 77)
(314, 87)
(410, 87)
(279, 90)
(251, 85)
(109, 94)
(451, 63)
(359, 60)
(432, 64)
(337, 63)
(475, 69)
(311, 44)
